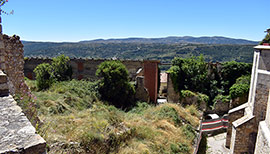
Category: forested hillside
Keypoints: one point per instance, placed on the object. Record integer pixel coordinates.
(161, 51)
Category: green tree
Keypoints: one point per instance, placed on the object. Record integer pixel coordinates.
(231, 71)
(189, 74)
(61, 69)
(114, 85)
(44, 77)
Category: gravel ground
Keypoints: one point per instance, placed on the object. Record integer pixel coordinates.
(216, 144)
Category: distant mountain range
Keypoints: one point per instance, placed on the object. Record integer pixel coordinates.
(176, 40)
(165, 49)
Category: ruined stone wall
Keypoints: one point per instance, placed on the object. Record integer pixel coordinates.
(82, 68)
(142, 93)
(172, 95)
(11, 61)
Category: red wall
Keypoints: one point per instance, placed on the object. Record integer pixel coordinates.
(151, 78)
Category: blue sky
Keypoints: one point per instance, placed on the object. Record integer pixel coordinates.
(66, 20)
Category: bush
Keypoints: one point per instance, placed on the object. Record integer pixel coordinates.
(44, 77)
(61, 70)
(241, 87)
(222, 98)
(114, 85)
(238, 90)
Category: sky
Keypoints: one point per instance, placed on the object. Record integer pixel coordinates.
(72, 21)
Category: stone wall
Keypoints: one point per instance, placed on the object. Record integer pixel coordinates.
(82, 68)
(243, 135)
(245, 129)
(233, 116)
(172, 96)
(86, 69)
(263, 137)
(142, 93)
(11, 61)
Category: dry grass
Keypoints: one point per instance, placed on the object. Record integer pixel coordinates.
(76, 127)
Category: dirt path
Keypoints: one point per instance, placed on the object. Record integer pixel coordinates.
(216, 144)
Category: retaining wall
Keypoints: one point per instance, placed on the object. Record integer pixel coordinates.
(82, 68)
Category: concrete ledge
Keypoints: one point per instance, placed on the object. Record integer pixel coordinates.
(243, 106)
(262, 47)
(242, 120)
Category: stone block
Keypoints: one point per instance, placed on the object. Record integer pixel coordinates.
(141, 92)
(17, 135)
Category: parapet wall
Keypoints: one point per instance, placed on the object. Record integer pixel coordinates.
(82, 68)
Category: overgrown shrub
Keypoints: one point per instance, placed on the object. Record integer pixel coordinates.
(241, 87)
(114, 84)
(222, 98)
(61, 69)
(44, 77)
(238, 90)
(47, 74)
